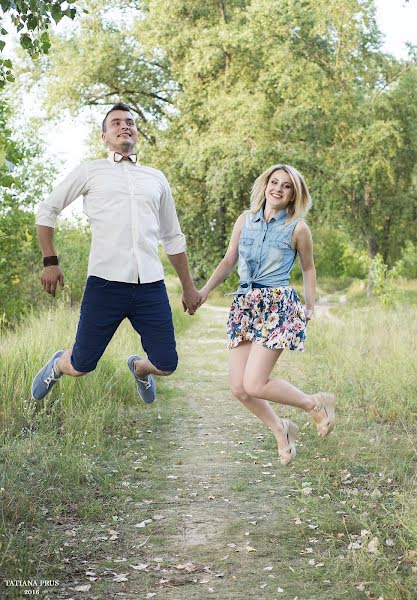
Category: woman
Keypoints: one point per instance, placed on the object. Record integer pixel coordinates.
(266, 315)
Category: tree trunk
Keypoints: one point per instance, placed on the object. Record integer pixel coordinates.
(372, 252)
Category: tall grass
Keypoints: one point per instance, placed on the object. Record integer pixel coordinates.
(57, 460)
(366, 472)
(61, 466)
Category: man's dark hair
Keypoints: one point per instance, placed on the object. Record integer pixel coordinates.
(118, 106)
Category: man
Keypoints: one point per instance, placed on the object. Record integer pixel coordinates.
(130, 207)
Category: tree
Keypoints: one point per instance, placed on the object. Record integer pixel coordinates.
(249, 83)
(31, 20)
(100, 62)
(21, 190)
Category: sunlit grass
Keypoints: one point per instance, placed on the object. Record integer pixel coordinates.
(67, 462)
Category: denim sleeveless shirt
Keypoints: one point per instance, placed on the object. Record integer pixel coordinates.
(266, 257)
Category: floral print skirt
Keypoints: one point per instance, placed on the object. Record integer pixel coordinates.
(273, 317)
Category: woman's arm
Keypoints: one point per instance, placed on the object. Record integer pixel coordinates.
(227, 264)
(304, 246)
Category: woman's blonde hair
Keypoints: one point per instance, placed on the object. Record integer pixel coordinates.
(300, 202)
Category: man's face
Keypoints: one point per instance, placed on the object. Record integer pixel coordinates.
(121, 134)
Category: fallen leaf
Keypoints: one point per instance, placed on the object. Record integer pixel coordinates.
(373, 546)
(189, 566)
(143, 523)
(120, 577)
(140, 567)
(82, 588)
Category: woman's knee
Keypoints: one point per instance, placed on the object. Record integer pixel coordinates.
(239, 392)
(253, 388)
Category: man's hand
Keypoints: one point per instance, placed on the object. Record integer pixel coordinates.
(191, 300)
(50, 278)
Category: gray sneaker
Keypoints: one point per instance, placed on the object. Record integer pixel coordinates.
(146, 387)
(46, 378)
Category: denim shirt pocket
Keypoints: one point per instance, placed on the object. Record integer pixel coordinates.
(245, 246)
(277, 248)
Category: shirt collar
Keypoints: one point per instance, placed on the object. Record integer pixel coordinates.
(282, 215)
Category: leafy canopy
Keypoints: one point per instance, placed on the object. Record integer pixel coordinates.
(31, 20)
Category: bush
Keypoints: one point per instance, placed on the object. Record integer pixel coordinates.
(335, 256)
(384, 281)
(407, 265)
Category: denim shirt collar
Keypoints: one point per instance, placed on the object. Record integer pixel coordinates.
(282, 215)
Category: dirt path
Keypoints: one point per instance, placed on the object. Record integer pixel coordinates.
(217, 517)
(224, 524)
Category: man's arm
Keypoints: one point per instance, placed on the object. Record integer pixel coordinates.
(50, 275)
(65, 193)
(190, 297)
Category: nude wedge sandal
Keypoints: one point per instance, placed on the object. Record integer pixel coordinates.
(287, 454)
(326, 403)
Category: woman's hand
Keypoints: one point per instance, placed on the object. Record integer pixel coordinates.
(308, 313)
(204, 295)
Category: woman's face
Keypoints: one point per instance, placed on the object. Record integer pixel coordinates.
(279, 190)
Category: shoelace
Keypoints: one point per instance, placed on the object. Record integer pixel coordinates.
(50, 378)
(146, 382)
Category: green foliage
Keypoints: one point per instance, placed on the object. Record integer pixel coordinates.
(100, 63)
(407, 265)
(31, 19)
(222, 90)
(19, 191)
(384, 281)
(73, 246)
(335, 255)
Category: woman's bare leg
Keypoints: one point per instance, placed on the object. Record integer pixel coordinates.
(257, 382)
(261, 408)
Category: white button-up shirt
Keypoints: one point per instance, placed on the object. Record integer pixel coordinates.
(129, 207)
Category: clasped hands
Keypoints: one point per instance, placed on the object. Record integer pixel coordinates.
(192, 299)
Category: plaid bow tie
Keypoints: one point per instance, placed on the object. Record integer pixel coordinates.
(119, 157)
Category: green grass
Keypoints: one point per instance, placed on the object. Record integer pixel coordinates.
(94, 457)
(363, 478)
(60, 463)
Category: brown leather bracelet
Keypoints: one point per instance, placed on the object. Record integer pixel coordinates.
(49, 261)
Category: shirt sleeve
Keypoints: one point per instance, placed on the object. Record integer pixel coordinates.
(63, 195)
(172, 238)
